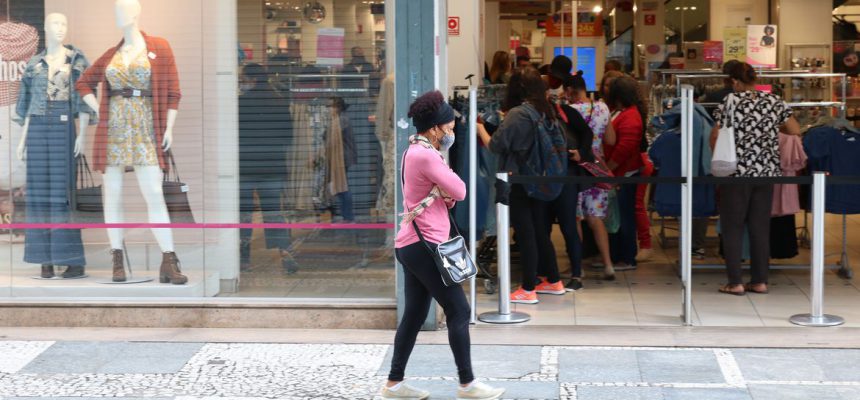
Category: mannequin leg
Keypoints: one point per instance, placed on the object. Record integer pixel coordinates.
(113, 208)
(150, 180)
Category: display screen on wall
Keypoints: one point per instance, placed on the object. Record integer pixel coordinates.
(586, 61)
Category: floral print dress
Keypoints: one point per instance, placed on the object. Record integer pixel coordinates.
(131, 135)
(594, 201)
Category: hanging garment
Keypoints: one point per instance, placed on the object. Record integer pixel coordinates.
(792, 159)
(385, 135)
(306, 160)
(783, 237)
(665, 152)
(831, 150)
(334, 154)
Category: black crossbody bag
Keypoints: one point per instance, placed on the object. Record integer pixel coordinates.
(452, 257)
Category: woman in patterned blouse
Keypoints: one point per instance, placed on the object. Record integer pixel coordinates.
(757, 118)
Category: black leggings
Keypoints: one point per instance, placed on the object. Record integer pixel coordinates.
(529, 218)
(422, 284)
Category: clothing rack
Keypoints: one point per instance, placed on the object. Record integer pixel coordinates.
(331, 83)
(844, 267)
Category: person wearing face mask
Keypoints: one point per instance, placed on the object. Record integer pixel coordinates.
(430, 189)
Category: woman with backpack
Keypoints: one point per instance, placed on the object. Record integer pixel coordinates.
(430, 189)
(520, 140)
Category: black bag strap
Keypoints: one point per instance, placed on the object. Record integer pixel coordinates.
(85, 174)
(169, 155)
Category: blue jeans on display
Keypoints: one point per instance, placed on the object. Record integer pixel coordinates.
(50, 182)
(268, 190)
(623, 244)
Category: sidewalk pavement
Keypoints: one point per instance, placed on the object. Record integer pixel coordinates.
(176, 370)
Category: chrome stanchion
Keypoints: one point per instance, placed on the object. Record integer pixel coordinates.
(817, 316)
(686, 230)
(473, 194)
(503, 254)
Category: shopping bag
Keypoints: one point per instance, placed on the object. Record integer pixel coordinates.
(725, 159)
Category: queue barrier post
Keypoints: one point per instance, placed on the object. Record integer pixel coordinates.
(503, 260)
(816, 317)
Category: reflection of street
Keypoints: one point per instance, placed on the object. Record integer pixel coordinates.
(332, 263)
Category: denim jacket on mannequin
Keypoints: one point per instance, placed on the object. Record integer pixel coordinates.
(33, 95)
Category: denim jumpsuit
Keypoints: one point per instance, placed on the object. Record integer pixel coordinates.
(50, 162)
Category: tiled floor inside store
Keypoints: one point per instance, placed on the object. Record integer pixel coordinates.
(651, 295)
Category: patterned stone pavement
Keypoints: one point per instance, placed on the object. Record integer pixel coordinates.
(202, 371)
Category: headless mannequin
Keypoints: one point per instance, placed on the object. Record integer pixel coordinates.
(149, 178)
(56, 27)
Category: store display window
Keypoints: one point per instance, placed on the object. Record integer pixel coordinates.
(195, 149)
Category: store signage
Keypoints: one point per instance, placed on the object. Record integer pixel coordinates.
(453, 26)
(650, 19)
(713, 51)
(330, 46)
(589, 24)
(650, 5)
(735, 44)
(554, 26)
(761, 46)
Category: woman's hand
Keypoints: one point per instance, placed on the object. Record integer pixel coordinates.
(575, 156)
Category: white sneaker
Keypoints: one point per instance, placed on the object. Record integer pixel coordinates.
(479, 391)
(405, 392)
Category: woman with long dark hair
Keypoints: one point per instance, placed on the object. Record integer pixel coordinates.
(430, 189)
(624, 159)
(500, 70)
(527, 106)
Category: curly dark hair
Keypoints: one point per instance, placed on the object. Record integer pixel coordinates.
(526, 85)
(624, 92)
(426, 105)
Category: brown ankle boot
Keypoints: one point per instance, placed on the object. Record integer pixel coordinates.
(118, 266)
(170, 272)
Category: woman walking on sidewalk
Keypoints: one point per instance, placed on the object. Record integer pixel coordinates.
(430, 188)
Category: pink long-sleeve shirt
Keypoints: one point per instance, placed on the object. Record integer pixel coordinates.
(423, 169)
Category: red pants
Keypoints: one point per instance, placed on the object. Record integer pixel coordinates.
(643, 223)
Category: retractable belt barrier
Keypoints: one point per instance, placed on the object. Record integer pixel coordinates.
(819, 181)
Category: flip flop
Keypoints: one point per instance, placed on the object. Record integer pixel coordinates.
(726, 289)
(749, 288)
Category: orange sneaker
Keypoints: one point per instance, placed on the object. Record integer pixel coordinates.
(550, 288)
(523, 296)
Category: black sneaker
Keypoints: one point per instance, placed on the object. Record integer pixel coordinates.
(699, 254)
(573, 285)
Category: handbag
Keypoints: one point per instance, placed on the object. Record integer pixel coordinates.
(452, 257)
(176, 195)
(87, 196)
(598, 169)
(725, 159)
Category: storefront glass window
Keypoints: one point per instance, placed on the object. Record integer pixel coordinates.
(236, 148)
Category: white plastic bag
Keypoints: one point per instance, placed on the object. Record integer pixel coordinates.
(725, 159)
